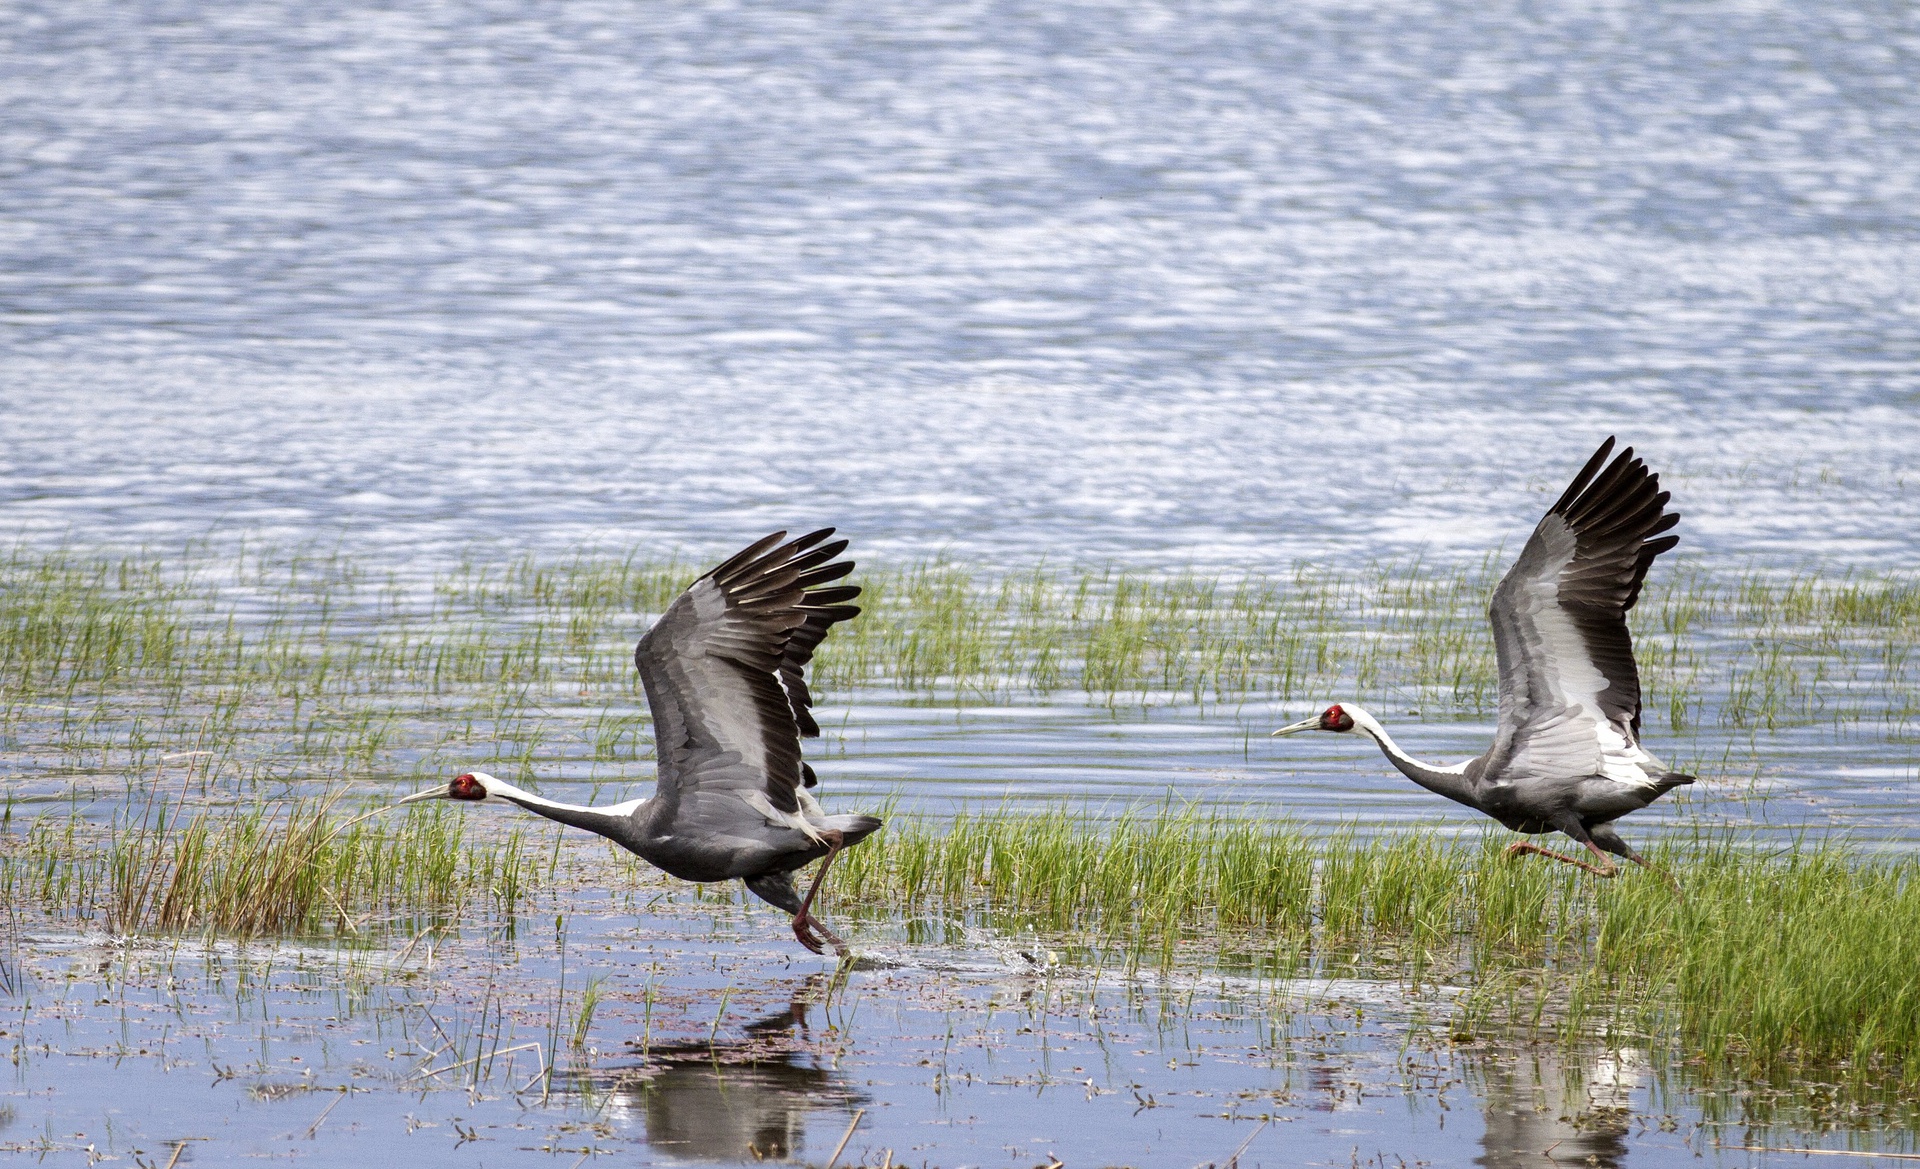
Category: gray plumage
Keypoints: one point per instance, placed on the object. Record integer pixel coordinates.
(724, 671)
(1566, 755)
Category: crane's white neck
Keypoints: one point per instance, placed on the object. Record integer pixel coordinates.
(593, 819)
(1449, 780)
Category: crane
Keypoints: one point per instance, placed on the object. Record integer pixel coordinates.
(725, 674)
(1566, 755)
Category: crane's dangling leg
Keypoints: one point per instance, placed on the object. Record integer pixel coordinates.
(806, 927)
(1523, 846)
(1604, 836)
(1573, 828)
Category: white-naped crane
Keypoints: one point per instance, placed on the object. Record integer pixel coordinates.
(725, 673)
(1566, 756)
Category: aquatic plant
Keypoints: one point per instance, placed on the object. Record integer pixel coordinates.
(170, 868)
(278, 665)
(1807, 953)
(180, 699)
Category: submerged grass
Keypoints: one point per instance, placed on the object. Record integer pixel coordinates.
(278, 664)
(1769, 959)
(274, 665)
(1768, 962)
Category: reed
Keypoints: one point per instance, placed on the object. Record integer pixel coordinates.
(300, 870)
(209, 686)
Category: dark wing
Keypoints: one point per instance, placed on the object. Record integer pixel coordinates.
(1569, 689)
(724, 669)
(824, 607)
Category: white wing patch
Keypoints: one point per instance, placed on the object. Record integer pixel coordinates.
(758, 801)
(1568, 741)
(1564, 659)
(1626, 760)
(734, 720)
(709, 603)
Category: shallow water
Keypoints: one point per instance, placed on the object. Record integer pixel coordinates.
(712, 1043)
(1219, 285)
(1171, 285)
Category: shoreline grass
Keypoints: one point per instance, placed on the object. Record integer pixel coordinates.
(1771, 957)
(1771, 961)
(279, 666)
(171, 868)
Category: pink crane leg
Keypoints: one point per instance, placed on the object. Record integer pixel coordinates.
(1611, 869)
(811, 932)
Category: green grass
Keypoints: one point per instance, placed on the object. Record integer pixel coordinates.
(178, 699)
(169, 869)
(278, 666)
(1738, 651)
(1768, 961)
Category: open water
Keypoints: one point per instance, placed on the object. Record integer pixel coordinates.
(1224, 285)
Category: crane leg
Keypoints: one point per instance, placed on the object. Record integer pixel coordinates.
(1607, 838)
(1611, 870)
(811, 932)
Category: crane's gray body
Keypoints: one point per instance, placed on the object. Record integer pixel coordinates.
(724, 671)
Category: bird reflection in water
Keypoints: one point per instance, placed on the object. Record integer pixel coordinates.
(1543, 1111)
(741, 1100)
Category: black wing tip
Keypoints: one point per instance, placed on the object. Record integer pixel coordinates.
(747, 555)
(1599, 479)
(820, 598)
(818, 574)
(1607, 496)
(769, 573)
(1587, 472)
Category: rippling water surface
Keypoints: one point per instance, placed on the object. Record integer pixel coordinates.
(1228, 286)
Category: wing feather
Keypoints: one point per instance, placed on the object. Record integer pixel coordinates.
(724, 669)
(1569, 686)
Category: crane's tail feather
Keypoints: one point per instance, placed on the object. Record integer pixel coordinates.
(854, 827)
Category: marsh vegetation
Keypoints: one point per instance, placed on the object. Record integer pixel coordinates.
(183, 732)
(282, 666)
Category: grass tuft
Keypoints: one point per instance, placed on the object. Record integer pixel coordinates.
(246, 872)
(1770, 958)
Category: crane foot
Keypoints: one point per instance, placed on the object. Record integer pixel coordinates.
(1524, 846)
(815, 936)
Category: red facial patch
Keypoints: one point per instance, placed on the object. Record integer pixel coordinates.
(1335, 719)
(465, 787)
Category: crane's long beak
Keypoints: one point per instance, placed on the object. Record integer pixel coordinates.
(432, 793)
(1305, 724)
(435, 793)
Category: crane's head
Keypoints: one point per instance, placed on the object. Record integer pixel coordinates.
(471, 786)
(1333, 718)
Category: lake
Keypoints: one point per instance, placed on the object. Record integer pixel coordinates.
(1218, 289)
